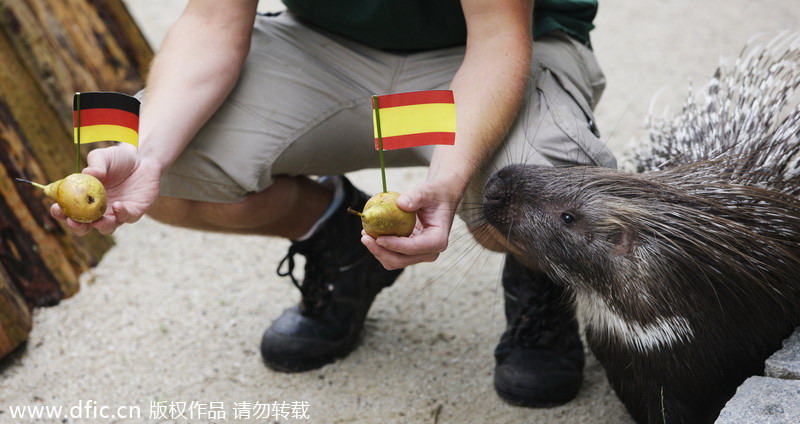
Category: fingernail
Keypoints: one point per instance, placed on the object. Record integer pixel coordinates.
(381, 242)
(404, 201)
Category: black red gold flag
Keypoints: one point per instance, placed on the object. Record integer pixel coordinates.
(106, 116)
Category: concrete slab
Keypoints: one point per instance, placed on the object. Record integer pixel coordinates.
(785, 363)
(763, 400)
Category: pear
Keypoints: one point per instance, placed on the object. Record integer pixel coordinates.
(82, 197)
(382, 217)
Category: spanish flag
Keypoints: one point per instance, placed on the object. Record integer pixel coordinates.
(105, 116)
(414, 119)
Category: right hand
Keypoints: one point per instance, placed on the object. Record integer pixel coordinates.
(131, 182)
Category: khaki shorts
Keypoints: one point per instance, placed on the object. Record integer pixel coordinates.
(302, 107)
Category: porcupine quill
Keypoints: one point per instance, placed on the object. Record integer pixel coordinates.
(685, 273)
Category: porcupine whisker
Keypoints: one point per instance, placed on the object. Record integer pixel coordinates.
(472, 247)
(455, 257)
(462, 238)
(526, 127)
(695, 261)
(529, 135)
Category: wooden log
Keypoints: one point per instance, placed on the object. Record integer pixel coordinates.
(15, 319)
(49, 50)
(67, 47)
(40, 256)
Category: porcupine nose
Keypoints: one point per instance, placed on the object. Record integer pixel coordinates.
(497, 196)
(497, 188)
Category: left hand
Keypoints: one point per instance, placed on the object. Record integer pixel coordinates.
(435, 210)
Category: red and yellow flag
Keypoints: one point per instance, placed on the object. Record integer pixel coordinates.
(413, 119)
(105, 116)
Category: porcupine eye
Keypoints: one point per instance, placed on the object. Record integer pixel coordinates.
(567, 218)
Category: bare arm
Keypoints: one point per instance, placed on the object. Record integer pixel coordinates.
(488, 88)
(195, 69)
(192, 74)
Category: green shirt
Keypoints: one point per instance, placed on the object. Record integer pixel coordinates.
(429, 24)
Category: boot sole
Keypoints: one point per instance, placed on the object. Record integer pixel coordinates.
(529, 399)
(295, 364)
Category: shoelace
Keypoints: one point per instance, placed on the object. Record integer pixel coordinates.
(541, 318)
(316, 295)
(529, 332)
(289, 258)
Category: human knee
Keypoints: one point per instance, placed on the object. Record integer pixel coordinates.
(171, 210)
(201, 215)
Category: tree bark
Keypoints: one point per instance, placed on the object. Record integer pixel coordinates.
(48, 51)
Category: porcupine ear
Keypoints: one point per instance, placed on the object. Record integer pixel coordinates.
(622, 241)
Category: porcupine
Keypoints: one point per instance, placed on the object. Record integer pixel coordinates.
(685, 274)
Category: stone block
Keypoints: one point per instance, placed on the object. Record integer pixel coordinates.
(785, 363)
(763, 400)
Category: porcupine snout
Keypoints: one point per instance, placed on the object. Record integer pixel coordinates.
(500, 203)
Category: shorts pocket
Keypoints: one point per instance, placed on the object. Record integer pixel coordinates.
(572, 114)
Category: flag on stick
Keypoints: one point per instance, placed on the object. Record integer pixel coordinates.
(105, 116)
(413, 119)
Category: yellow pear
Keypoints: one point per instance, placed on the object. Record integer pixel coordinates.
(382, 217)
(82, 197)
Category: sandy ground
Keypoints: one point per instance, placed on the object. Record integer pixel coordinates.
(176, 316)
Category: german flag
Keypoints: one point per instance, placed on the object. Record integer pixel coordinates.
(413, 119)
(105, 116)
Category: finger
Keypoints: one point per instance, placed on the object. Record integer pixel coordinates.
(77, 228)
(380, 253)
(97, 163)
(57, 213)
(98, 173)
(429, 241)
(106, 225)
(405, 203)
(411, 200)
(423, 196)
(123, 214)
(393, 260)
(81, 229)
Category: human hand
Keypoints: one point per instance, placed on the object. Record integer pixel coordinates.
(435, 209)
(131, 183)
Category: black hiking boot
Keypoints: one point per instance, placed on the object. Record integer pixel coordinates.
(341, 280)
(540, 355)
